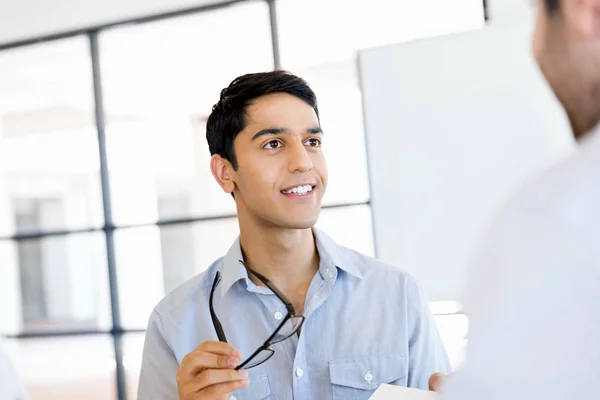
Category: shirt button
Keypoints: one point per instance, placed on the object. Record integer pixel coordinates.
(299, 373)
(329, 273)
(368, 377)
(232, 398)
(278, 316)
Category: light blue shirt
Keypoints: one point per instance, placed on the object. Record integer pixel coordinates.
(367, 323)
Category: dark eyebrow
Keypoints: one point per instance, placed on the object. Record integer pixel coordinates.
(268, 131)
(280, 131)
(315, 131)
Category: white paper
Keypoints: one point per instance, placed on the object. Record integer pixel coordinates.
(391, 392)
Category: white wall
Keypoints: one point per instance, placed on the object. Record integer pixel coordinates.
(453, 126)
(507, 11)
(25, 19)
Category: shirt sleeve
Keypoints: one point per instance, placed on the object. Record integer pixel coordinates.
(159, 365)
(427, 354)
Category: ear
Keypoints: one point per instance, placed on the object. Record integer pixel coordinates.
(583, 18)
(223, 172)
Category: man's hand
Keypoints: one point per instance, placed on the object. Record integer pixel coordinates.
(436, 381)
(208, 373)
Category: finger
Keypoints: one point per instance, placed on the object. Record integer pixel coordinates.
(218, 390)
(221, 348)
(436, 381)
(196, 362)
(211, 377)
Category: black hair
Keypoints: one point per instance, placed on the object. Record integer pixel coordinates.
(552, 6)
(228, 116)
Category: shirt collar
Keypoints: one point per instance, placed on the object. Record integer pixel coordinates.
(332, 257)
(233, 271)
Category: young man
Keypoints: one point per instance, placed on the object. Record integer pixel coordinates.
(535, 293)
(341, 323)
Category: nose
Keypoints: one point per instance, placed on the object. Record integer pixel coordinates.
(299, 159)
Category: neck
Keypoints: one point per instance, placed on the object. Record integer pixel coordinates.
(288, 257)
(582, 125)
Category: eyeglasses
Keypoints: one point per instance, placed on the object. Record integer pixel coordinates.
(289, 326)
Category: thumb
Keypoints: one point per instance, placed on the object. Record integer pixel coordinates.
(436, 381)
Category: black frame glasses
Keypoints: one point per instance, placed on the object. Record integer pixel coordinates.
(289, 326)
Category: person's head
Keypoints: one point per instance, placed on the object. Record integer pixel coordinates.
(567, 48)
(265, 138)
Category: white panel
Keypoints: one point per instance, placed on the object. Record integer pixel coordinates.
(454, 125)
(510, 11)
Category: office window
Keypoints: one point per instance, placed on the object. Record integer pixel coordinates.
(54, 284)
(350, 227)
(165, 257)
(160, 82)
(49, 165)
(133, 348)
(66, 368)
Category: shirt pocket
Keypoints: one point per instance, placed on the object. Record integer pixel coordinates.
(258, 389)
(357, 379)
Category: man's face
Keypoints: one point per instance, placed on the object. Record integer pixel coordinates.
(282, 173)
(567, 48)
(549, 46)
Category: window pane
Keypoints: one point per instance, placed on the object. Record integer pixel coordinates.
(133, 348)
(49, 164)
(56, 284)
(66, 368)
(350, 227)
(160, 82)
(165, 257)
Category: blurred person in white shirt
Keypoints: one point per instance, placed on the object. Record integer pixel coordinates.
(534, 292)
(11, 387)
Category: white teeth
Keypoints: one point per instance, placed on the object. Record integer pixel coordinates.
(301, 190)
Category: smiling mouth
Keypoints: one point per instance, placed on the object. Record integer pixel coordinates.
(301, 190)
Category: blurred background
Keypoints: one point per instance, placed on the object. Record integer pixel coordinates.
(106, 198)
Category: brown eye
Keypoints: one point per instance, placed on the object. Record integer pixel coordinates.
(273, 144)
(313, 142)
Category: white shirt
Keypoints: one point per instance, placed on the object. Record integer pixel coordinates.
(10, 385)
(534, 292)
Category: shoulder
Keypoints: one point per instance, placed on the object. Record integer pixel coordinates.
(556, 203)
(536, 233)
(377, 273)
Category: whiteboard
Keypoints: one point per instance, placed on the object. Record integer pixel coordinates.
(453, 126)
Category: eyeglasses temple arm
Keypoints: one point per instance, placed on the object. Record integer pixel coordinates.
(213, 315)
(267, 282)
